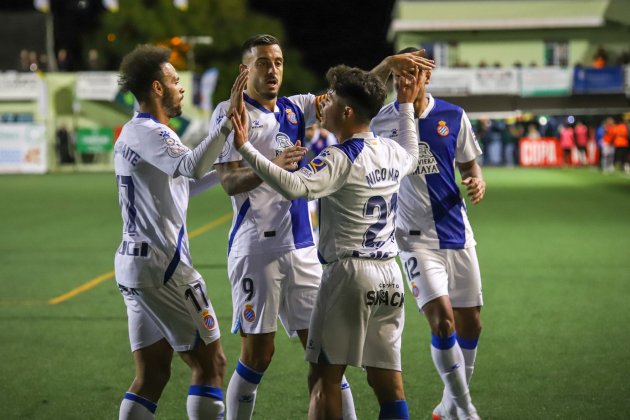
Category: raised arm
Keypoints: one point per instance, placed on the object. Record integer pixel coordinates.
(402, 65)
(199, 162)
(408, 88)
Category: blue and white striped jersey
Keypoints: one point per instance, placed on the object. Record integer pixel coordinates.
(263, 220)
(432, 213)
(153, 199)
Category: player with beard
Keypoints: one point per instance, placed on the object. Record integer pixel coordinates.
(272, 260)
(168, 307)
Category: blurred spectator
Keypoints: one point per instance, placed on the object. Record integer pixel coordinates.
(63, 63)
(93, 60)
(482, 64)
(532, 132)
(624, 58)
(608, 150)
(43, 62)
(567, 142)
(65, 145)
(517, 64)
(24, 64)
(581, 141)
(600, 59)
(620, 142)
(317, 140)
(510, 142)
(497, 65)
(533, 63)
(599, 139)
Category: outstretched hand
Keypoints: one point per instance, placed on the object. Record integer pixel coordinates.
(290, 156)
(236, 94)
(404, 64)
(476, 189)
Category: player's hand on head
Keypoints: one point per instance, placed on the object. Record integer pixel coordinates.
(476, 189)
(236, 94)
(409, 86)
(290, 156)
(405, 64)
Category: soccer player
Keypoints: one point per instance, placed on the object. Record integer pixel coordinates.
(436, 240)
(272, 260)
(168, 307)
(358, 317)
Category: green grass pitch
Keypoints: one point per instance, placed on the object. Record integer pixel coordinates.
(554, 250)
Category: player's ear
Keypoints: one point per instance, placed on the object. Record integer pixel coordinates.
(428, 77)
(156, 87)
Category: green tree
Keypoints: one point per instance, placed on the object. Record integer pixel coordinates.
(228, 22)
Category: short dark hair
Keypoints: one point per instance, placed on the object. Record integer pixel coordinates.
(362, 90)
(408, 50)
(140, 68)
(256, 40)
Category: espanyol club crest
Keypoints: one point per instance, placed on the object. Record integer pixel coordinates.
(291, 116)
(249, 314)
(442, 129)
(208, 320)
(415, 291)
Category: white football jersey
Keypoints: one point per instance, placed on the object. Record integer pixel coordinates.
(153, 199)
(263, 220)
(358, 182)
(432, 213)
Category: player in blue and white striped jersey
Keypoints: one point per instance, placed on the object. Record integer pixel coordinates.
(168, 307)
(272, 260)
(358, 317)
(436, 240)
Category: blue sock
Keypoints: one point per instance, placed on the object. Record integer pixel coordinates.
(397, 410)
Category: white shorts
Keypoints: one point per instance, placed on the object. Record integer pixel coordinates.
(359, 315)
(183, 315)
(266, 287)
(432, 273)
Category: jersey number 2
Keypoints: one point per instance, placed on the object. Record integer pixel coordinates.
(378, 205)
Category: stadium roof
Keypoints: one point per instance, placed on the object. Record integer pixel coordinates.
(462, 15)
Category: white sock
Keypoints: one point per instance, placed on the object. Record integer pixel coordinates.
(469, 350)
(135, 407)
(347, 402)
(241, 392)
(205, 402)
(449, 362)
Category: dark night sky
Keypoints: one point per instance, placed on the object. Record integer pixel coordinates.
(330, 32)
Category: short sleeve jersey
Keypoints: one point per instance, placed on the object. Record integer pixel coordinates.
(153, 199)
(432, 213)
(358, 182)
(264, 221)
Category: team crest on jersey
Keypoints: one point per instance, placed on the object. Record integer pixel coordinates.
(291, 116)
(209, 322)
(173, 147)
(415, 291)
(426, 161)
(249, 314)
(442, 129)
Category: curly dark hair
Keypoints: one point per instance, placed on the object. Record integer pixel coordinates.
(256, 40)
(363, 91)
(140, 68)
